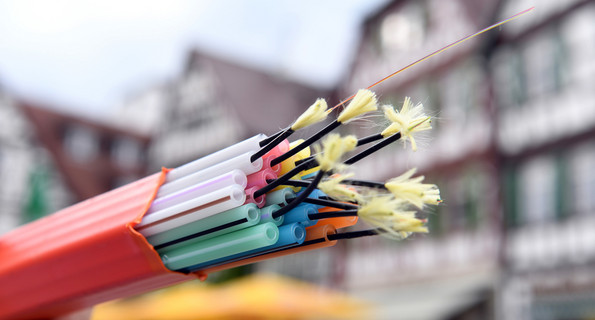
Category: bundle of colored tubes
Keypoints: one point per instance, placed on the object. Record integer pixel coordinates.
(258, 199)
(265, 197)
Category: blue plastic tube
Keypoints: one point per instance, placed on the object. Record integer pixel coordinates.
(301, 214)
(316, 194)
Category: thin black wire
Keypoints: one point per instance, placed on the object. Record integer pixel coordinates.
(202, 233)
(281, 180)
(331, 203)
(293, 183)
(299, 199)
(360, 142)
(271, 144)
(365, 183)
(333, 214)
(330, 127)
(354, 234)
(266, 141)
(373, 148)
(368, 139)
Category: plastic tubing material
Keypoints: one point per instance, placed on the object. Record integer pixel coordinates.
(301, 214)
(240, 162)
(316, 194)
(338, 222)
(280, 197)
(280, 149)
(255, 237)
(260, 201)
(192, 210)
(290, 234)
(192, 231)
(225, 180)
(289, 164)
(259, 179)
(266, 215)
(317, 237)
(250, 145)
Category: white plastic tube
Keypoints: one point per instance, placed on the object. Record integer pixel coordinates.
(249, 145)
(192, 210)
(241, 162)
(225, 180)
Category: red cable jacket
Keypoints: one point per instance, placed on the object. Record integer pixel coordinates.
(82, 255)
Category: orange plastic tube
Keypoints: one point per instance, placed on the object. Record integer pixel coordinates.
(81, 256)
(313, 233)
(338, 222)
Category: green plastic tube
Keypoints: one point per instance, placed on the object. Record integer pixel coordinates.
(280, 197)
(249, 212)
(266, 215)
(251, 238)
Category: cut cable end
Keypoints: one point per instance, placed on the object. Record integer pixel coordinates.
(363, 101)
(314, 114)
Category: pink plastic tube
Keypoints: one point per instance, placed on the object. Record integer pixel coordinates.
(260, 201)
(259, 179)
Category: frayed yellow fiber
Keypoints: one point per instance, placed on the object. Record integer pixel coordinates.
(333, 148)
(413, 190)
(364, 101)
(407, 121)
(314, 114)
(334, 189)
(389, 214)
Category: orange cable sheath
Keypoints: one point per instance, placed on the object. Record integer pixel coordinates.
(82, 255)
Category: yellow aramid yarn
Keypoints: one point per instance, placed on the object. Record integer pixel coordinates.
(334, 189)
(333, 148)
(314, 114)
(388, 214)
(364, 101)
(407, 121)
(413, 190)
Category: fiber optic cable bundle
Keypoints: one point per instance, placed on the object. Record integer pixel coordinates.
(262, 198)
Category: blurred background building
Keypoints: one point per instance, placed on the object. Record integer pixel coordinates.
(214, 103)
(30, 187)
(512, 150)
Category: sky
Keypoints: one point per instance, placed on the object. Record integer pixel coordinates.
(86, 57)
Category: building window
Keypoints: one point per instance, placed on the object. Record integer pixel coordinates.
(517, 85)
(537, 202)
(560, 60)
(434, 103)
(510, 77)
(126, 152)
(404, 29)
(510, 195)
(453, 210)
(81, 143)
(581, 179)
(562, 185)
(472, 198)
(436, 219)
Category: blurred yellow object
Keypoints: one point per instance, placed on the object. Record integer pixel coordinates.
(261, 296)
(289, 164)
